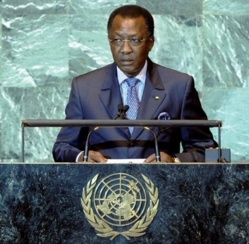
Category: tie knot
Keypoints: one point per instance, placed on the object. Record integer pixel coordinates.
(132, 81)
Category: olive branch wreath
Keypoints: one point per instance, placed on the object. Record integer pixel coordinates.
(137, 230)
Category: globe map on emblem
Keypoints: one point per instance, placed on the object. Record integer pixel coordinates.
(120, 199)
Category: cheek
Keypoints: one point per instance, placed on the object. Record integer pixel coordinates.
(114, 52)
(142, 54)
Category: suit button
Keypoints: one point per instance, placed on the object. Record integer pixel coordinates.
(131, 144)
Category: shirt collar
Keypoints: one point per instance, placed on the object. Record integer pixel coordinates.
(141, 76)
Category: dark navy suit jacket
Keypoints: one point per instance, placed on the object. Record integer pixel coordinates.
(96, 95)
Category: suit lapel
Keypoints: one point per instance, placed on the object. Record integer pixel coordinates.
(110, 91)
(110, 95)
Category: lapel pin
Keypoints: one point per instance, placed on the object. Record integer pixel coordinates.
(157, 97)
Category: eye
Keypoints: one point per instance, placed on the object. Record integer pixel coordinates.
(117, 40)
(134, 41)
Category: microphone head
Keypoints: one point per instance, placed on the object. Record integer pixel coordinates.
(120, 107)
(125, 108)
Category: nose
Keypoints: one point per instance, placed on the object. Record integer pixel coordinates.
(126, 47)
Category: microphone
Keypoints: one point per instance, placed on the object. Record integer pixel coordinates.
(125, 109)
(122, 111)
(157, 153)
(120, 108)
(86, 151)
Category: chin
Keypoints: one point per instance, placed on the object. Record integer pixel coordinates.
(129, 72)
(125, 69)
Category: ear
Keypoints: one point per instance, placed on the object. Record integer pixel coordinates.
(151, 42)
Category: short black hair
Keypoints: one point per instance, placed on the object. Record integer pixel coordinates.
(133, 11)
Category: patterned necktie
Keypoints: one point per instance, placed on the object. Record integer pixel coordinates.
(132, 100)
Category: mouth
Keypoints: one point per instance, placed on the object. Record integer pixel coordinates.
(126, 61)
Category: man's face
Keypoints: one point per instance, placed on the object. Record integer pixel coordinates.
(130, 58)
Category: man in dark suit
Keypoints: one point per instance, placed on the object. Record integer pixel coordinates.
(160, 93)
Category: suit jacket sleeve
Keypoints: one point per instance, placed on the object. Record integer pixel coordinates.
(194, 139)
(67, 146)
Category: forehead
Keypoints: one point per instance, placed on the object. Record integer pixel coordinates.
(127, 25)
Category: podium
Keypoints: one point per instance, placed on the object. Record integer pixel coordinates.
(146, 124)
(124, 203)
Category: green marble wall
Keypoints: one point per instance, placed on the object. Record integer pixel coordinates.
(45, 43)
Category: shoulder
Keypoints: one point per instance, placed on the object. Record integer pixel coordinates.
(97, 74)
(168, 72)
(169, 78)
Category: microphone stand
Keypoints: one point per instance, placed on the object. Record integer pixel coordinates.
(157, 153)
(86, 151)
(121, 115)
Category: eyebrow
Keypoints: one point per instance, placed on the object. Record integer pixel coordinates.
(129, 35)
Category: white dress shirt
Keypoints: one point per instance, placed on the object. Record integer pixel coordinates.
(124, 86)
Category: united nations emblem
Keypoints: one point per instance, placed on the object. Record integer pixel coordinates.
(119, 204)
